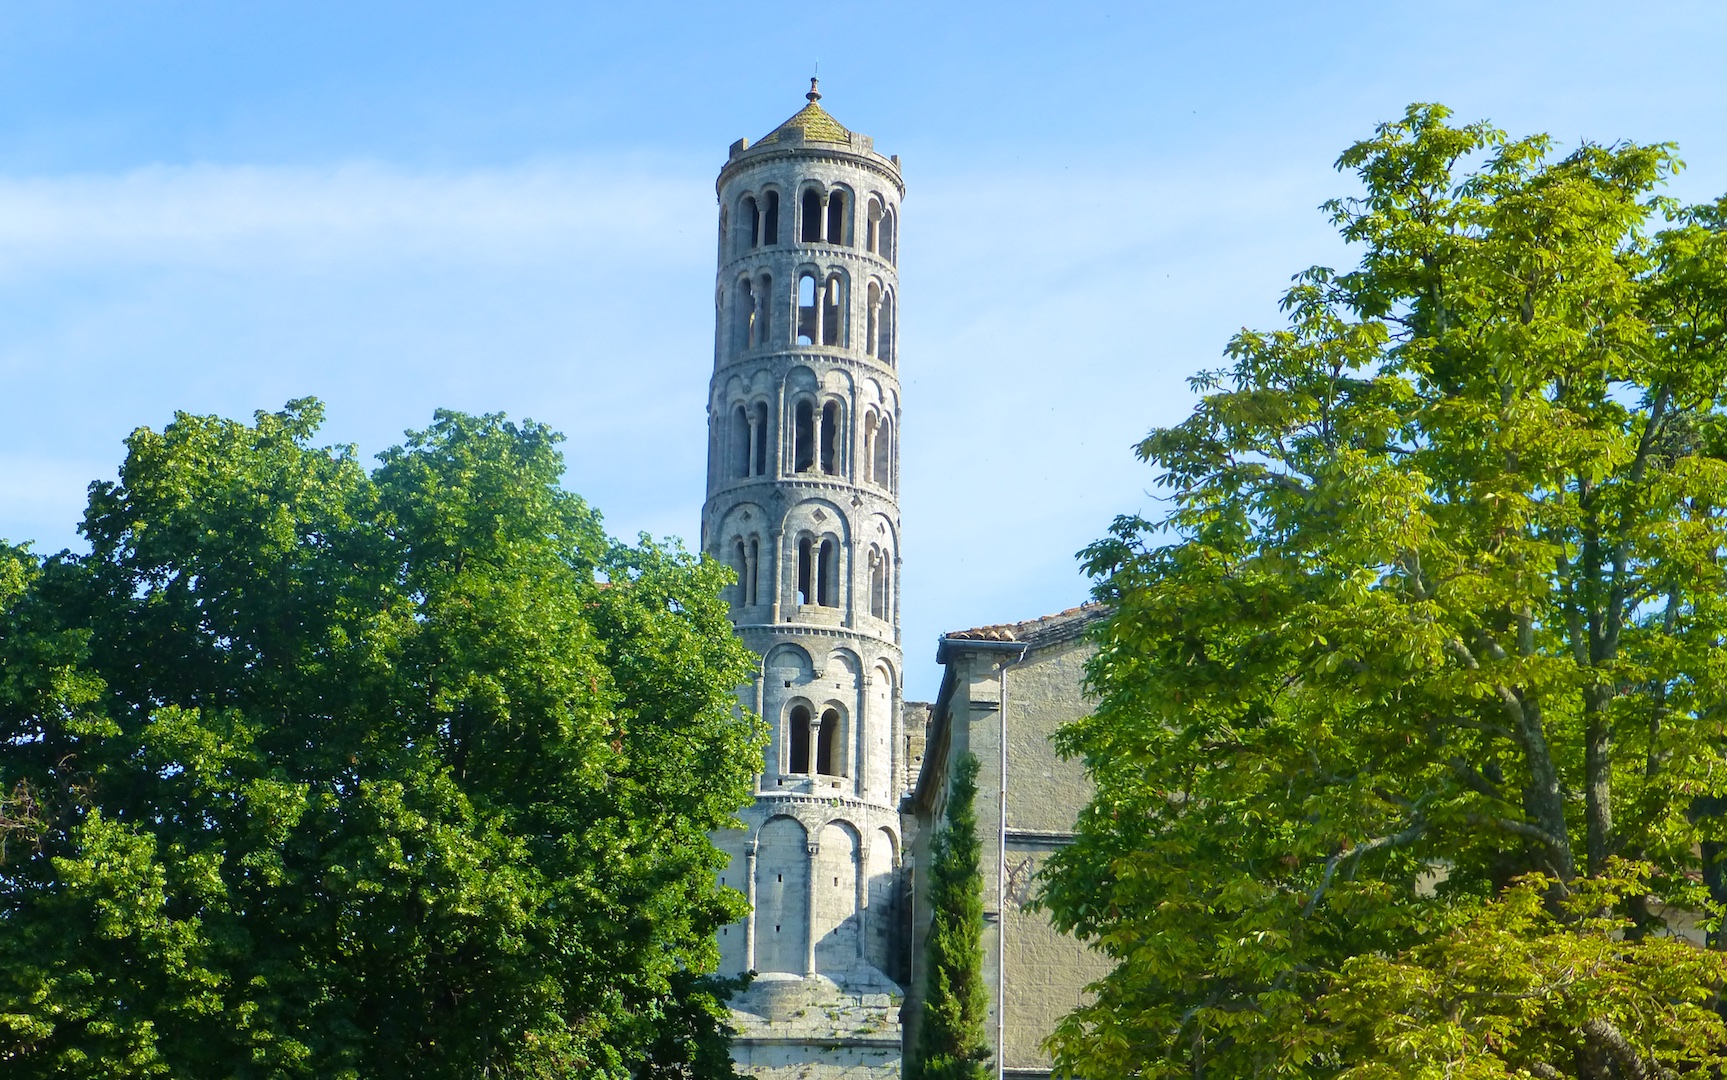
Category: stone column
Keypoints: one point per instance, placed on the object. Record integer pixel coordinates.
(750, 925)
(810, 913)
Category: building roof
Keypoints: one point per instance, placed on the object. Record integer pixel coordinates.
(812, 121)
(1037, 631)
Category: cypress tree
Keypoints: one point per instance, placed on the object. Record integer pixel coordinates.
(951, 1040)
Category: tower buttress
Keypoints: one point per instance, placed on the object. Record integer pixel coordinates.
(802, 502)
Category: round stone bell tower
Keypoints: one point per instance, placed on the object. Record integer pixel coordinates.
(803, 475)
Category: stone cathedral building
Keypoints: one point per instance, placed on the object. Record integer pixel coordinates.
(802, 501)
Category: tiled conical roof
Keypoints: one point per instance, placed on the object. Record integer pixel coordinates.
(813, 121)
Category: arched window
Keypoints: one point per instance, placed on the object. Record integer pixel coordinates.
(770, 217)
(830, 437)
(750, 216)
(812, 216)
(827, 575)
(872, 231)
(798, 760)
(887, 251)
(741, 566)
(883, 471)
(838, 219)
(872, 331)
(745, 312)
(725, 229)
(804, 436)
(759, 438)
(806, 571)
(740, 449)
(833, 311)
(752, 572)
(829, 752)
(808, 313)
(884, 328)
(867, 458)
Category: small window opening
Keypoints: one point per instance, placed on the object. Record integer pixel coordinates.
(812, 216)
(833, 319)
(740, 450)
(800, 740)
(837, 218)
(887, 251)
(872, 233)
(827, 574)
(752, 230)
(808, 313)
(741, 565)
(836, 882)
(806, 570)
(759, 433)
(830, 436)
(868, 456)
(828, 746)
(804, 435)
(771, 218)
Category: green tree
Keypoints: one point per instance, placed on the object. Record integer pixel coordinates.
(1436, 606)
(315, 772)
(951, 1041)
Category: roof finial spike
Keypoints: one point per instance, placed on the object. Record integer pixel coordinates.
(815, 94)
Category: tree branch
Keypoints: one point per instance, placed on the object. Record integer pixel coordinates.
(1357, 852)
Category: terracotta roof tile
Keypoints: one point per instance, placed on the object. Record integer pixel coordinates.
(1031, 628)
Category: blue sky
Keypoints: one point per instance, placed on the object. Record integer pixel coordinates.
(509, 206)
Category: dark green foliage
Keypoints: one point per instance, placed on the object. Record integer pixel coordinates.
(315, 773)
(951, 1041)
(1427, 646)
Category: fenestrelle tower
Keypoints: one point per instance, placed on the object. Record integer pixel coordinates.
(803, 472)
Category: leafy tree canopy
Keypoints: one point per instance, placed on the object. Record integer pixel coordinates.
(1409, 751)
(315, 772)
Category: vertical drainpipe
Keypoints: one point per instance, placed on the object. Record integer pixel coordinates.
(1001, 874)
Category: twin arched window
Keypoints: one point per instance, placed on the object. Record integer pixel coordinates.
(878, 450)
(822, 308)
(746, 562)
(878, 240)
(758, 221)
(880, 583)
(748, 452)
(753, 310)
(878, 324)
(830, 751)
(818, 572)
(816, 437)
(825, 218)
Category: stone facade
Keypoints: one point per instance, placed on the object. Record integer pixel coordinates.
(1023, 680)
(802, 501)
